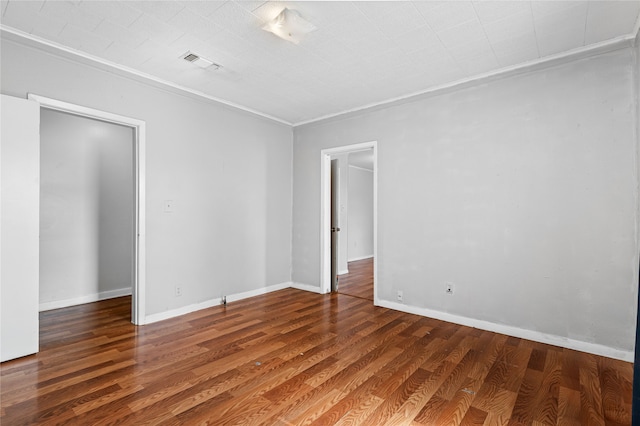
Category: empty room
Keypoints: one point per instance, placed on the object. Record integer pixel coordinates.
(319, 212)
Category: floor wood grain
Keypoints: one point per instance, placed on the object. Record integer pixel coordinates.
(358, 282)
(295, 358)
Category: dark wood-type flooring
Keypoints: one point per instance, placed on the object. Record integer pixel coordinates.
(359, 281)
(292, 358)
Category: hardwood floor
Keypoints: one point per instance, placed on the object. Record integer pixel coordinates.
(359, 281)
(291, 358)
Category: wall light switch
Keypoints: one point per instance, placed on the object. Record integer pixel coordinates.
(168, 206)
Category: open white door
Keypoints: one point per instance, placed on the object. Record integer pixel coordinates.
(19, 226)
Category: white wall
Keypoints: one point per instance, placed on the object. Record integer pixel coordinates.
(360, 213)
(520, 191)
(227, 171)
(87, 209)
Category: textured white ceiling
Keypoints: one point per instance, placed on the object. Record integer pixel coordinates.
(363, 53)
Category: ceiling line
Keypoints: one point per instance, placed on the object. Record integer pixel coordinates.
(141, 74)
(585, 51)
(620, 42)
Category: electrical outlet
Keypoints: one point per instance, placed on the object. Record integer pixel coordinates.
(399, 296)
(448, 288)
(178, 291)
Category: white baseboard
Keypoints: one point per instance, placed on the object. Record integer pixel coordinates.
(307, 287)
(344, 271)
(257, 292)
(592, 348)
(522, 333)
(89, 298)
(213, 302)
(360, 258)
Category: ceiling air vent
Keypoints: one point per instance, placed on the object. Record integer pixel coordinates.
(200, 61)
(190, 57)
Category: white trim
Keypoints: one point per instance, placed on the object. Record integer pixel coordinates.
(325, 223)
(139, 304)
(89, 298)
(137, 73)
(161, 316)
(355, 259)
(257, 292)
(139, 276)
(325, 212)
(547, 61)
(536, 336)
(70, 108)
(343, 271)
(307, 287)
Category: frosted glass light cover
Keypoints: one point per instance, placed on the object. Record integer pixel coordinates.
(289, 25)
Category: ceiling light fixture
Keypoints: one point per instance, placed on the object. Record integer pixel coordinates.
(289, 25)
(200, 61)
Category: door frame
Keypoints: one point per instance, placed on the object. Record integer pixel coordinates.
(325, 213)
(334, 218)
(139, 271)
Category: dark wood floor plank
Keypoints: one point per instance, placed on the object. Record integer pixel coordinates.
(431, 411)
(365, 405)
(569, 407)
(524, 409)
(358, 387)
(405, 365)
(590, 391)
(322, 359)
(474, 417)
(425, 404)
(359, 377)
(394, 400)
(615, 387)
(454, 411)
(546, 400)
(459, 374)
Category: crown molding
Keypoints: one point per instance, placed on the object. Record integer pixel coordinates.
(541, 63)
(537, 64)
(38, 42)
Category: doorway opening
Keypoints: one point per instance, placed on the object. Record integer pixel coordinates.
(349, 260)
(103, 193)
